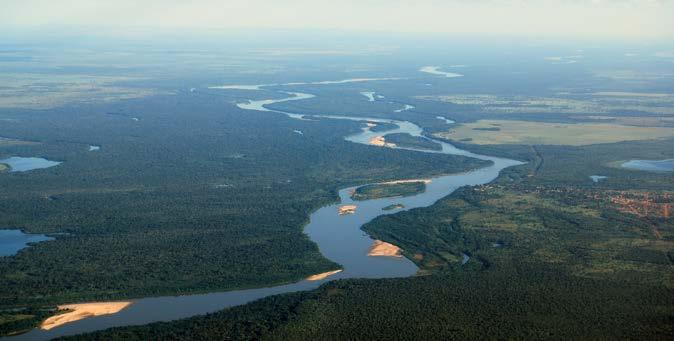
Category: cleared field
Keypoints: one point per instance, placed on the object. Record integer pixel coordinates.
(527, 132)
(566, 103)
(642, 121)
(5, 142)
(44, 91)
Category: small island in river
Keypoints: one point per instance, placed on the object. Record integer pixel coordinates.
(393, 207)
(408, 141)
(389, 189)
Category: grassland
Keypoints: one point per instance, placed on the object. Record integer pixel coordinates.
(15, 322)
(376, 191)
(565, 103)
(530, 132)
(44, 91)
(5, 142)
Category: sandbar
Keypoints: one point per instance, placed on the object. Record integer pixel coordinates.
(82, 311)
(347, 209)
(383, 249)
(324, 275)
(380, 141)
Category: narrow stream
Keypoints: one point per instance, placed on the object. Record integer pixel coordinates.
(339, 238)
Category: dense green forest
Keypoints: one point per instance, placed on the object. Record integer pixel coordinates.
(520, 303)
(407, 140)
(376, 191)
(195, 196)
(190, 194)
(546, 261)
(384, 127)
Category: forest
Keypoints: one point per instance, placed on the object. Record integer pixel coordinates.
(190, 194)
(384, 190)
(181, 200)
(409, 141)
(551, 256)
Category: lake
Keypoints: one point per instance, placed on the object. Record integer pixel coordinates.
(24, 164)
(11, 241)
(650, 165)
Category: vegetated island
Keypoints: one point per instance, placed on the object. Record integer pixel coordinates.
(393, 207)
(409, 141)
(389, 189)
(380, 141)
(382, 126)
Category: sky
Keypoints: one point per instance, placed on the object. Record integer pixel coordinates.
(613, 19)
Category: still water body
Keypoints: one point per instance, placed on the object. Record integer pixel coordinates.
(11, 241)
(339, 238)
(650, 165)
(24, 164)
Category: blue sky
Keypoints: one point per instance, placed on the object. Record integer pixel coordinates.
(617, 19)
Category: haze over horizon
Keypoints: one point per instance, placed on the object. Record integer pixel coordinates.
(584, 19)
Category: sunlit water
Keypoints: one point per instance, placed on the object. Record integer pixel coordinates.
(339, 237)
(650, 165)
(435, 70)
(24, 164)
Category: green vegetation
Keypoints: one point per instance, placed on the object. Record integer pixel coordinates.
(578, 103)
(19, 89)
(198, 195)
(568, 228)
(407, 140)
(530, 132)
(22, 320)
(515, 304)
(181, 201)
(384, 126)
(386, 190)
(553, 255)
(393, 207)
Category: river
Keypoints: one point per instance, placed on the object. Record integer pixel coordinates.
(339, 237)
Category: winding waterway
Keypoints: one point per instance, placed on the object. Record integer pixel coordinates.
(339, 237)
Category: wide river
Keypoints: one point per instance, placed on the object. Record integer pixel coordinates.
(339, 237)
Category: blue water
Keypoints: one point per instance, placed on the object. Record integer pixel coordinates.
(339, 237)
(24, 164)
(597, 178)
(11, 241)
(650, 165)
